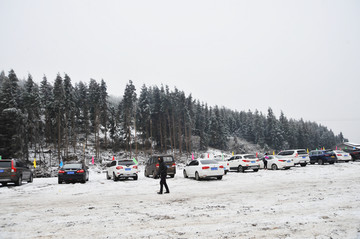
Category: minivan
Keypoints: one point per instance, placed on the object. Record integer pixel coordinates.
(152, 165)
(14, 171)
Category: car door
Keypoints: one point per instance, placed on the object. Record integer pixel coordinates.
(191, 168)
(111, 168)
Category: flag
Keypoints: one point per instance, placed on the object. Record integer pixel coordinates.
(0, 157)
(34, 162)
(222, 156)
(273, 152)
(135, 161)
(256, 154)
(192, 156)
(208, 155)
(307, 150)
(336, 147)
(113, 158)
(61, 164)
(93, 161)
(233, 153)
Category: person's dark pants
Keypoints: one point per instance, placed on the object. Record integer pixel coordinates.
(163, 183)
(265, 164)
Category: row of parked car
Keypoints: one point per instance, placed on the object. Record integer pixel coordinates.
(15, 171)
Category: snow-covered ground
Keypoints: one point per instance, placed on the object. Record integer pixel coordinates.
(311, 202)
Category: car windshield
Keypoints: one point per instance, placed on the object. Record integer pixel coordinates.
(126, 162)
(72, 166)
(5, 164)
(328, 152)
(219, 159)
(250, 156)
(208, 161)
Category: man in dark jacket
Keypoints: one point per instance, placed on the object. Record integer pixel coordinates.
(163, 173)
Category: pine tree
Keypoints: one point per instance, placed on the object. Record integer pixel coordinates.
(59, 110)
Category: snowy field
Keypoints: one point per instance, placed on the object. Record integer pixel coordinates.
(311, 202)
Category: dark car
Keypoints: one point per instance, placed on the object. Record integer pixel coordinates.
(152, 165)
(355, 153)
(14, 171)
(73, 172)
(322, 156)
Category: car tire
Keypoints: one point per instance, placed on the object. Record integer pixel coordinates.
(255, 170)
(145, 174)
(225, 172)
(347, 161)
(114, 177)
(59, 181)
(197, 177)
(4, 184)
(331, 162)
(107, 176)
(172, 175)
(240, 169)
(320, 162)
(19, 181)
(136, 177)
(185, 174)
(219, 177)
(274, 167)
(303, 164)
(312, 162)
(30, 179)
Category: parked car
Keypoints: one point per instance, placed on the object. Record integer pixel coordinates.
(14, 171)
(122, 169)
(275, 163)
(342, 156)
(203, 168)
(224, 163)
(355, 154)
(242, 162)
(73, 172)
(152, 165)
(299, 156)
(322, 156)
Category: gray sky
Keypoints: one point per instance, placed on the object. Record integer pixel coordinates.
(301, 57)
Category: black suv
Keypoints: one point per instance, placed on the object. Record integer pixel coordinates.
(152, 165)
(14, 171)
(322, 156)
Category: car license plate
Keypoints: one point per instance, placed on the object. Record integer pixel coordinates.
(127, 169)
(288, 161)
(346, 155)
(1, 171)
(70, 172)
(252, 161)
(333, 156)
(303, 157)
(215, 168)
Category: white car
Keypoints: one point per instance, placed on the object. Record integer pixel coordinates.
(224, 163)
(242, 162)
(299, 156)
(275, 163)
(203, 168)
(342, 156)
(122, 169)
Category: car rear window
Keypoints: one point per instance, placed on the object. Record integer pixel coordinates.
(72, 166)
(250, 156)
(302, 151)
(168, 159)
(126, 162)
(208, 161)
(5, 164)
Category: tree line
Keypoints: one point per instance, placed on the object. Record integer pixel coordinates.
(66, 116)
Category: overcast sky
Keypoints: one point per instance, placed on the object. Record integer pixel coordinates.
(301, 57)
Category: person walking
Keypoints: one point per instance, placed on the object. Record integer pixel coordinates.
(266, 157)
(163, 173)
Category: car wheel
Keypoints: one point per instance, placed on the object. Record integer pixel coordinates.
(185, 174)
(136, 177)
(59, 181)
(172, 175)
(240, 169)
(107, 176)
(219, 177)
(30, 179)
(145, 174)
(347, 161)
(312, 162)
(255, 170)
(331, 162)
(114, 177)
(303, 165)
(83, 181)
(4, 184)
(225, 172)
(320, 162)
(19, 181)
(274, 167)
(197, 178)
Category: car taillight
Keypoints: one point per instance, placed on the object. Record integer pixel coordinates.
(13, 169)
(173, 165)
(281, 160)
(61, 171)
(205, 167)
(227, 164)
(119, 167)
(246, 161)
(221, 166)
(80, 171)
(135, 167)
(157, 165)
(339, 154)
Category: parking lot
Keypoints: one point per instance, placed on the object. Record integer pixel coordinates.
(316, 201)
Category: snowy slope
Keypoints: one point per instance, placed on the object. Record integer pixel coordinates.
(311, 202)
